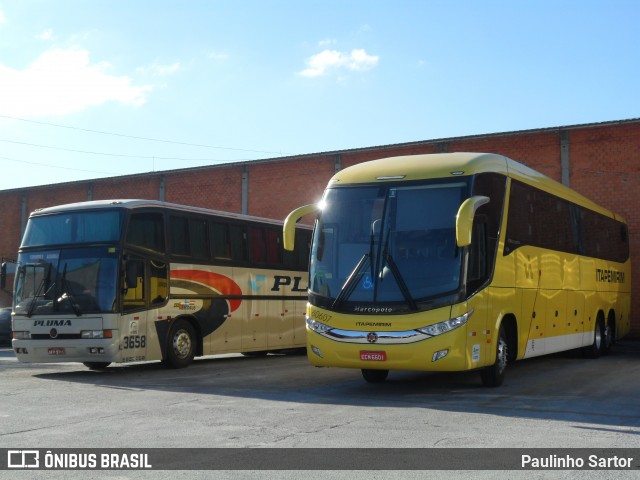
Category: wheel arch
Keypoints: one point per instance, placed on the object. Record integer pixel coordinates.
(510, 324)
(196, 328)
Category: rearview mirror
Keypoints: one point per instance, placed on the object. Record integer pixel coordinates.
(289, 227)
(464, 219)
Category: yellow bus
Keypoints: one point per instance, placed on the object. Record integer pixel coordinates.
(136, 280)
(459, 261)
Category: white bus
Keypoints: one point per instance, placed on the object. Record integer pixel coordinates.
(137, 280)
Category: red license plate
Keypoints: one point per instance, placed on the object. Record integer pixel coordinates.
(369, 356)
(57, 351)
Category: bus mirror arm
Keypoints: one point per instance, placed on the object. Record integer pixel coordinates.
(464, 219)
(289, 227)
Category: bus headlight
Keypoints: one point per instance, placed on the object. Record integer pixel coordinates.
(96, 334)
(447, 325)
(316, 326)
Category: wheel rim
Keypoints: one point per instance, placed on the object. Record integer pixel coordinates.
(607, 336)
(182, 344)
(598, 337)
(502, 355)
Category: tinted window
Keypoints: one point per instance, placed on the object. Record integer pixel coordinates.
(542, 220)
(146, 231)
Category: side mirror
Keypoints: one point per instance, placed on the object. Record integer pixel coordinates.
(289, 227)
(464, 219)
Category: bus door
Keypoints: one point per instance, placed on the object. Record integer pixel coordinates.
(143, 329)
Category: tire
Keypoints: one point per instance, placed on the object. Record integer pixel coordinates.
(608, 338)
(597, 347)
(493, 376)
(375, 376)
(98, 366)
(181, 345)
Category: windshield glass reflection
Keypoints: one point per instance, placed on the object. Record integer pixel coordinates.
(387, 244)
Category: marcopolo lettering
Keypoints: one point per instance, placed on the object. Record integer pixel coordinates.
(609, 276)
(285, 280)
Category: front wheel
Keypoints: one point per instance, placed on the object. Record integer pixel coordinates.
(375, 376)
(181, 346)
(493, 376)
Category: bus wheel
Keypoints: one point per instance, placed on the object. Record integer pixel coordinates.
(608, 338)
(182, 345)
(96, 365)
(595, 349)
(375, 376)
(493, 376)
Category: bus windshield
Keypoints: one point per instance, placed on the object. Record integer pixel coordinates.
(70, 281)
(73, 228)
(380, 244)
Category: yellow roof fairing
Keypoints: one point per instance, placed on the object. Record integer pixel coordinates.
(420, 167)
(450, 165)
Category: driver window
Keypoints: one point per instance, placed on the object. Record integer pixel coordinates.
(133, 297)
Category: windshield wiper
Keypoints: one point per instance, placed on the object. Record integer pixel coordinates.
(393, 266)
(38, 293)
(67, 294)
(353, 280)
(400, 281)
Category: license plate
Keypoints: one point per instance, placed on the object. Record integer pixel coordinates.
(57, 351)
(368, 356)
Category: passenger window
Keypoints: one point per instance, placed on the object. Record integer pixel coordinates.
(146, 230)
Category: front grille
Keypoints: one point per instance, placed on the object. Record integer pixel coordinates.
(61, 336)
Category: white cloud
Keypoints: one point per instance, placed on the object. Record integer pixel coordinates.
(326, 42)
(61, 82)
(356, 60)
(160, 70)
(46, 35)
(215, 55)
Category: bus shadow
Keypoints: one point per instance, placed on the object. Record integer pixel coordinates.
(562, 387)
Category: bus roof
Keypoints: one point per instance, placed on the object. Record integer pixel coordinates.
(131, 204)
(450, 165)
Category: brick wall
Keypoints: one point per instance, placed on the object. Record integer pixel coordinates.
(604, 165)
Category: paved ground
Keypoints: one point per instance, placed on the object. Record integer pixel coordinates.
(280, 401)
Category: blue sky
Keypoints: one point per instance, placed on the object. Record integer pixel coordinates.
(99, 88)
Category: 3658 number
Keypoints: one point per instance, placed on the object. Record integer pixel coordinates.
(135, 341)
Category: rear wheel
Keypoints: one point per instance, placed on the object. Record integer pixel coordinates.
(96, 365)
(493, 376)
(608, 337)
(375, 376)
(181, 346)
(595, 349)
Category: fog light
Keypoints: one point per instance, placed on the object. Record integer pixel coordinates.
(438, 355)
(317, 351)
